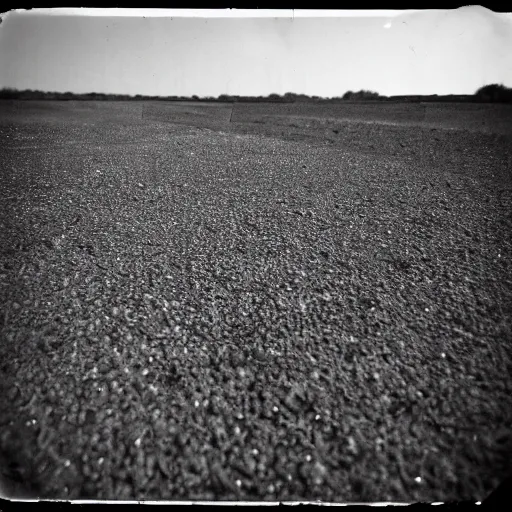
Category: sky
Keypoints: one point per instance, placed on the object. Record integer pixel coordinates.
(164, 53)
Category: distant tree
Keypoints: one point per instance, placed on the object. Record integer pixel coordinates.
(225, 97)
(8, 93)
(274, 97)
(361, 95)
(290, 97)
(494, 93)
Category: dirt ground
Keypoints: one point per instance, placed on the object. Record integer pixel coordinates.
(258, 302)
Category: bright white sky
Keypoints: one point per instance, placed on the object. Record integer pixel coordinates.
(166, 53)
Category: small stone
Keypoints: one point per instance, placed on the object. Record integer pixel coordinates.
(43, 345)
(90, 417)
(259, 354)
(13, 394)
(103, 367)
(318, 473)
(352, 446)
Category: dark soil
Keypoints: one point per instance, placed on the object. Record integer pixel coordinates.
(273, 308)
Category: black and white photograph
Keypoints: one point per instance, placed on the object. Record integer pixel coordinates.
(255, 255)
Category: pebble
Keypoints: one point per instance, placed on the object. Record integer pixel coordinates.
(89, 417)
(259, 354)
(352, 446)
(103, 367)
(316, 473)
(13, 393)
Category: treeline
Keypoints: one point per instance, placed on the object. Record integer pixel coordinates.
(289, 97)
(493, 93)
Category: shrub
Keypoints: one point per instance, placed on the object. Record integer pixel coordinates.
(494, 93)
(7, 93)
(361, 95)
(225, 97)
(274, 97)
(290, 97)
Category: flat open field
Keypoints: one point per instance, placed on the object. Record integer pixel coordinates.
(259, 302)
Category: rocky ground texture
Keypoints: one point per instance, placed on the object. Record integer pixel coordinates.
(263, 309)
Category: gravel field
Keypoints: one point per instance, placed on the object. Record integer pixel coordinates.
(255, 303)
